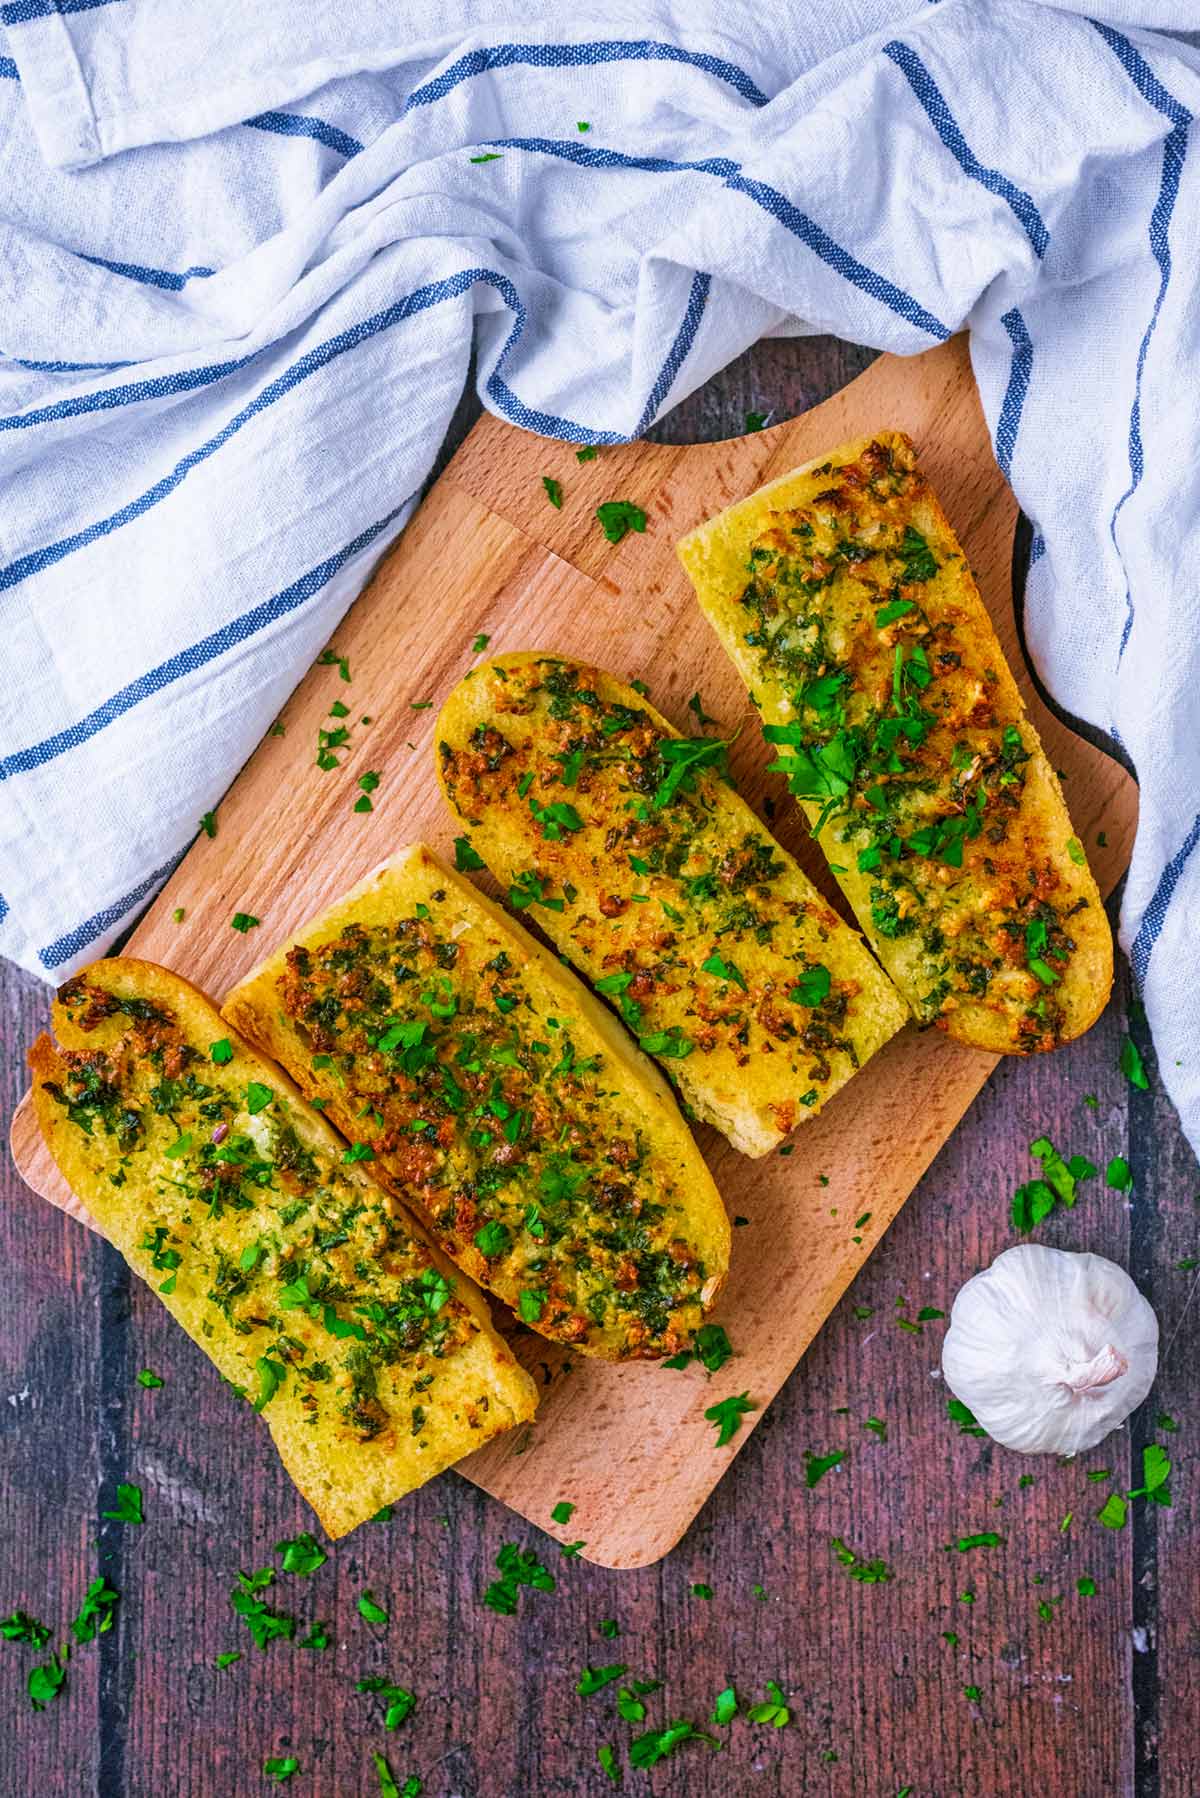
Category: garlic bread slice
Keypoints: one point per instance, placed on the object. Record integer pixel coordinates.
(845, 600)
(374, 1364)
(628, 846)
(484, 1086)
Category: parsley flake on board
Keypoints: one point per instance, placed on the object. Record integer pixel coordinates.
(47, 1681)
(587, 454)
(1117, 1175)
(726, 1416)
(329, 658)
(725, 1708)
(279, 1767)
(208, 824)
(617, 517)
(984, 1539)
(606, 1755)
(244, 921)
(264, 1624)
(412, 1787)
(516, 1569)
(95, 1615)
(227, 1659)
(1113, 1512)
(302, 1554)
(755, 421)
(1034, 1201)
(563, 1511)
(466, 859)
(700, 1590)
(317, 1637)
(129, 1505)
(554, 492)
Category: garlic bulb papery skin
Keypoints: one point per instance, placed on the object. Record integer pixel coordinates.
(1050, 1349)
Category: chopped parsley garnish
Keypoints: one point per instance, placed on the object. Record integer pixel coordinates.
(1037, 1198)
(1117, 1174)
(1113, 1512)
(271, 1375)
(129, 1505)
(867, 1573)
(367, 1607)
(221, 1052)
(258, 1097)
(619, 516)
(755, 421)
(466, 859)
(726, 1707)
(958, 1413)
(19, 1626)
(1085, 1586)
(359, 1151)
(606, 1755)
(700, 1590)
(400, 1702)
(656, 1744)
(817, 1466)
(774, 1711)
(480, 644)
(813, 986)
(672, 1044)
(895, 608)
(244, 921)
(95, 1615)
(918, 558)
(488, 156)
(696, 705)
(592, 1679)
(329, 658)
(46, 1682)
(301, 1554)
(723, 970)
(681, 758)
(726, 1416)
(208, 824)
(281, 1767)
(516, 1569)
(587, 454)
(563, 1511)
(554, 492)
(148, 1379)
(985, 1539)
(264, 1624)
(1132, 1065)
(530, 1304)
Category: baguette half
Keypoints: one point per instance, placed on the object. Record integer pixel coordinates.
(845, 600)
(484, 1086)
(627, 844)
(374, 1365)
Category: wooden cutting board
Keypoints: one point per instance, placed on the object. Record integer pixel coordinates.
(487, 553)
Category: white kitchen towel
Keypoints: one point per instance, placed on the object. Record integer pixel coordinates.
(245, 253)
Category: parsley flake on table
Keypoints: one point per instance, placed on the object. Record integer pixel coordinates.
(554, 492)
(563, 1511)
(1132, 1065)
(867, 1573)
(281, 1767)
(400, 1702)
(329, 658)
(46, 1682)
(609, 1627)
(958, 1413)
(1117, 1175)
(700, 1590)
(755, 421)
(208, 824)
(466, 859)
(726, 1707)
(606, 1755)
(1113, 1512)
(148, 1380)
(178, 914)
(95, 1615)
(129, 1505)
(984, 1539)
(367, 1607)
(617, 517)
(656, 1744)
(264, 1624)
(592, 1679)
(587, 454)
(1156, 1468)
(516, 1569)
(571, 1550)
(302, 1554)
(582, 125)
(726, 1416)
(1037, 1198)
(696, 705)
(19, 1626)
(1085, 1586)
(227, 1659)
(774, 1711)
(317, 1637)
(244, 921)
(388, 1788)
(877, 1427)
(817, 1466)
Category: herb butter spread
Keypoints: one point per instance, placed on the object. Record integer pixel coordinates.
(627, 845)
(845, 601)
(372, 1362)
(475, 1082)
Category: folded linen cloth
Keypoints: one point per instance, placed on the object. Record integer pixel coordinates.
(245, 253)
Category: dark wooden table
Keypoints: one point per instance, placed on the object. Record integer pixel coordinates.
(1096, 1698)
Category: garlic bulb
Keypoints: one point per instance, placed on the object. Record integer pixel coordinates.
(1050, 1350)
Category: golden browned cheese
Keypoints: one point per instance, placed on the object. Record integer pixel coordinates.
(843, 597)
(628, 846)
(373, 1363)
(487, 1088)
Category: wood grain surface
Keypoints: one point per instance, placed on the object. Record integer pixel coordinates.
(1099, 1699)
(488, 552)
